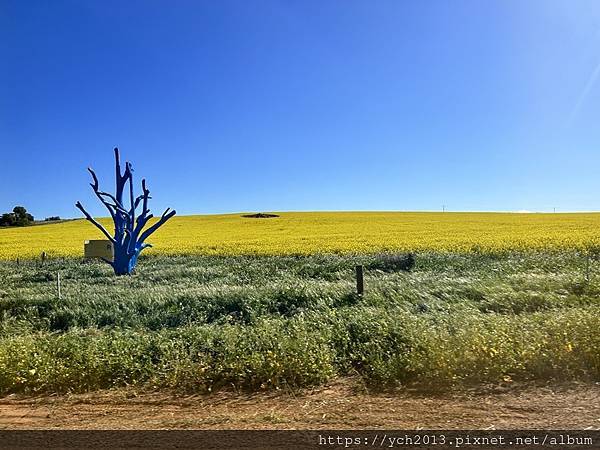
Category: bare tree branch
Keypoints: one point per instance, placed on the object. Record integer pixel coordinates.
(121, 178)
(111, 208)
(165, 216)
(91, 219)
(118, 204)
(129, 169)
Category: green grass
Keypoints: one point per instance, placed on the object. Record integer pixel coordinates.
(205, 322)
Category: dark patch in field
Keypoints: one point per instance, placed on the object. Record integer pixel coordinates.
(260, 216)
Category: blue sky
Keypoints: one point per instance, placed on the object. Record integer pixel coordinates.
(229, 106)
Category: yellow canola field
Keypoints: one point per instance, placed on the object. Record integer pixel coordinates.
(325, 232)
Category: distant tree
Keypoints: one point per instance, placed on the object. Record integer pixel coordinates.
(7, 220)
(22, 217)
(51, 219)
(18, 218)
(19, 211)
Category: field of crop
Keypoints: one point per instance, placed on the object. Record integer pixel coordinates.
(226, 301)
(327, 232)
(200, 323)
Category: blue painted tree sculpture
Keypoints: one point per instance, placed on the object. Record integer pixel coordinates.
(130, 237)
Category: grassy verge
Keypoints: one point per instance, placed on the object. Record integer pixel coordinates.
(202, 323)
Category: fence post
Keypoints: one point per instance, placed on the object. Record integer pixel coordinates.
(360, 285)
(587, 267)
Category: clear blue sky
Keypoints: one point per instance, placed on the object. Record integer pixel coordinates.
(257, 105)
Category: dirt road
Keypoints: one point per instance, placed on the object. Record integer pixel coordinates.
(340, 405)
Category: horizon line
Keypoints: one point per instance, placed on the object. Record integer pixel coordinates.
(231, 213)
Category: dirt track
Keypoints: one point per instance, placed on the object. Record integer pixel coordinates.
(343, 404)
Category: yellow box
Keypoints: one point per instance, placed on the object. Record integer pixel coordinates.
(98, 249)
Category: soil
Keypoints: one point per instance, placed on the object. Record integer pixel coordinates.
(344, 404)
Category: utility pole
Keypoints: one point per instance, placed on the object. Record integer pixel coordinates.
(443, 208)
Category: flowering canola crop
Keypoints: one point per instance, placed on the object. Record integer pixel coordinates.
(326, 232)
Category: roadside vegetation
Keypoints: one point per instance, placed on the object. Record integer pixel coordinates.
(201, 323)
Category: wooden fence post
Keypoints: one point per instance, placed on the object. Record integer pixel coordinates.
(360, 285)
(587, 267)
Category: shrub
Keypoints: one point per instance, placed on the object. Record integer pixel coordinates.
(390, 262)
